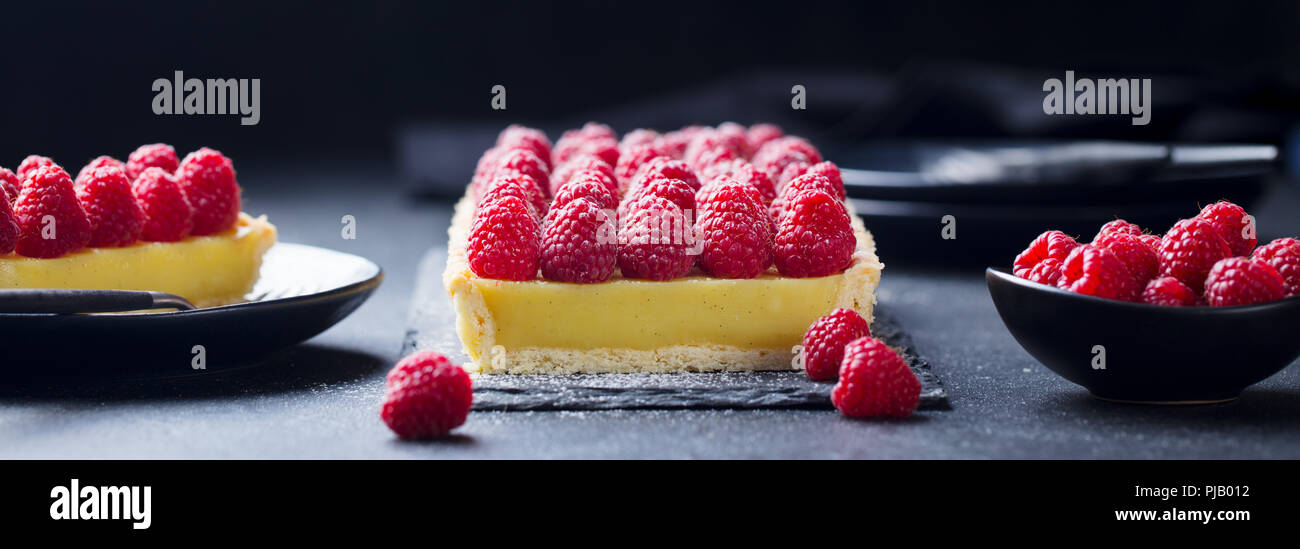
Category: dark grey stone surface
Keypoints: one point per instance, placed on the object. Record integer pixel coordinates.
(321, 400)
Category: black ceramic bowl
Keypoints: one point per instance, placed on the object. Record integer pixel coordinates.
(1167, 355)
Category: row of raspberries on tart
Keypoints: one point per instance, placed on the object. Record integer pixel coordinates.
(153, 196)
(1210, 259)
(732, 201)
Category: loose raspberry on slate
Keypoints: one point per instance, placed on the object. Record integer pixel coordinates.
(1053, 244)
(519, 186)
(1118, 226)
(1047, 271)
(524, 162)
(823, 343)
(588, 185)
(115, 217)
(565, 173)
(736, 235)
(51, 222)
(579, 243)
(802, 183)
(1236, 228)
(99, 162)
(8, 228)
(168, 216)
(1141, 261)
(1283, 255)
(1190, 249)
(1169, 292)
(9, 185)
(1095, 270)
(505, 241)
(516, 136)
(875, 382)
(675, 190)
(207, 178)
(759, 134)
(668, 168)
(157, 155)
(427, 396)
(636, 138)
(31, 163)
(1243, 281)
(654, 242)
(629, 163)
(815, 237)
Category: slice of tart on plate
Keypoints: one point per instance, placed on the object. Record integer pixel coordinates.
(153, 223)
(715, 255)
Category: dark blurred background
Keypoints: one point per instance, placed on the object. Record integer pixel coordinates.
(404, 86)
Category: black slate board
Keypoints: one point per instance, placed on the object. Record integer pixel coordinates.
(430, 326)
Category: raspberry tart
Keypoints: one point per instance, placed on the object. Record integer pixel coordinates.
(687, 269)
(153, 223)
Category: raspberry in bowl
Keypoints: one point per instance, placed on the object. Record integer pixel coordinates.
(1173, 319)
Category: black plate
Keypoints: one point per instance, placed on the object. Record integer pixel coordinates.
(1172, 355)
(302, 291)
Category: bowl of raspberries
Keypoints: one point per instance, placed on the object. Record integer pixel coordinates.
(1194, 315)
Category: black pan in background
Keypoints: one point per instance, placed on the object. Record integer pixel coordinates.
(1046, 173)
(302, 291)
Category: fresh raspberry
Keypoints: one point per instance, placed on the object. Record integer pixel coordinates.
(774, 163)
(675, 190)
(737, 237)
(9, 185)
(667, 168)
(168, 216)
(654, 240)
(8, 228)
(1243, 281)
(1236, 228)
(759, 134)
(516, 136)
(579, 243)
(875, 382)
(99, 162)
(629, 163)
(1118, 226)
(1047, 271)
(823, 343)
(115, 217)
(744, 172)
(524, 162)
(483, 170)
(1053, 244)
(593, 139)
(831, 172)
(590, 186)
(566, 172)
(674, 144)
(1095, 270)
(815, 238)
(1169, 292)
(207, 178)
(157, 155)
(737, 135)
(50, 220)
(427, 396)
(802, 183)
(790, 172)
(715, 162)
(31, 163)
(779, 147)
(723, 189)
(1190, 249)
(712, 143)
(1141, 261)
(520, 186)
(1152, 241)
(1283, 255)
(636, 138)
(505, 241)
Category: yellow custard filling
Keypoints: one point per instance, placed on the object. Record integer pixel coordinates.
(207, 270)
